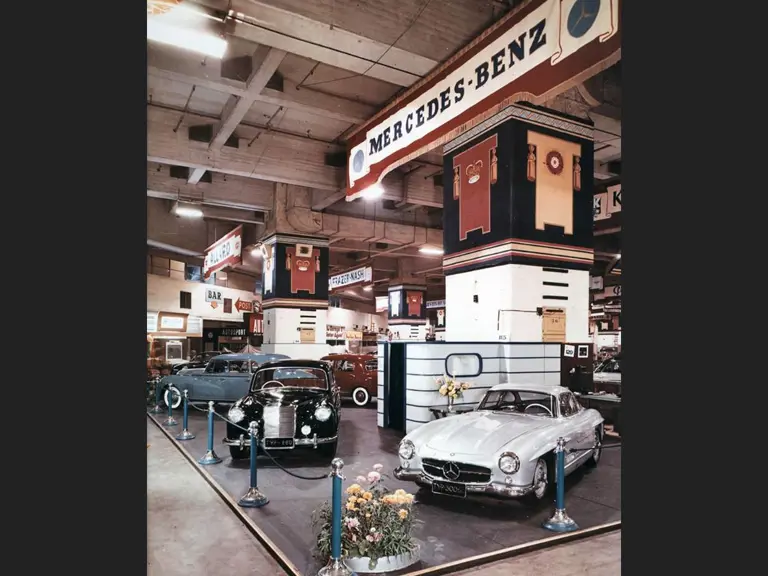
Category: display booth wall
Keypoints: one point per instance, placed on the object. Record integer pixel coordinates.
(407, 373)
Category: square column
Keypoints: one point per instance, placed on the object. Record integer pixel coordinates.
(517, 228)
(407, 315)
(295, 295)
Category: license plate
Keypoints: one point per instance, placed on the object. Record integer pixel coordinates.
(449, 489)
(278, 443)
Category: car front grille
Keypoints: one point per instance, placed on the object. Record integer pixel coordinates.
(468, 473)
(279, 421)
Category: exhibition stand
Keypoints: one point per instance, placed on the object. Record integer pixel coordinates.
(223, 475)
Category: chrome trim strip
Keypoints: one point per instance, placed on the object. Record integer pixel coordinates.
(242, 442)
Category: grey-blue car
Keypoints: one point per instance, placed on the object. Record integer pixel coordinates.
(226, 378)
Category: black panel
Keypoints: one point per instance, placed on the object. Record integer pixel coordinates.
(281, 279)
(500, 196)
(524, 193)
(201, 133)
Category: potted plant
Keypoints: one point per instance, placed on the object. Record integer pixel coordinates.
(376, 526)
(451, 388)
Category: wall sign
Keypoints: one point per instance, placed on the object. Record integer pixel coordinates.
(306, 335)
(214, 296)
(435, 304)
(492, 72)
(169, 322)
(610, 292)
(334, 332)
(351, 277)
(233, 332)
(243, 306)
(595, 282)
(605, 204)
(225, 252)
(382, 302)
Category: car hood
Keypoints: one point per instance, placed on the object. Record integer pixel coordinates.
(606, 377)
(481, 433)
(288, 396)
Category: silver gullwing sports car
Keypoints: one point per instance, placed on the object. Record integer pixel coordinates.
(505, 447)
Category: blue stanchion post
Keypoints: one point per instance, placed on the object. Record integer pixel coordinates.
(185, 433)
(158, 409)
(170, 421)
(210, 456)
(336, 567)
(254, 498)
(560, 521)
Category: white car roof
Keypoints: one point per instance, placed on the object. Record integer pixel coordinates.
(544, 388)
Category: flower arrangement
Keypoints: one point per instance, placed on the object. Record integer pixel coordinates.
(451, 387)
(375, 522)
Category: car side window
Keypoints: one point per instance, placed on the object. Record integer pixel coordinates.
(566, 408)
(219, 367)
(575, 404)
(347, 366)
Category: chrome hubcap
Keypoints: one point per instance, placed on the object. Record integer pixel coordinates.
(540, 479)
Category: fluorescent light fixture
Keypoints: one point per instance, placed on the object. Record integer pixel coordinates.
(430, 250)
(367, 288)
(372, 192)
(194, 40)
(188, 211)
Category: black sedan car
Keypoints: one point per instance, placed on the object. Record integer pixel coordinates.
(295, 403)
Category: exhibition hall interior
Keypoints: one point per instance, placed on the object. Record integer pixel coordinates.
(383, 276)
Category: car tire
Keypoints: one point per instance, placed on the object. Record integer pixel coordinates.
(238, 453)
(172, 390)
(594, 458)
(328, 450)
(542, 474)
(360, 396)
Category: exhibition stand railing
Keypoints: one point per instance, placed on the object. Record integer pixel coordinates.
(254, 498)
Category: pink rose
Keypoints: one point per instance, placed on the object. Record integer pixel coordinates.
(378, 467)
(361, 479)
(373, 477)
(369, 538)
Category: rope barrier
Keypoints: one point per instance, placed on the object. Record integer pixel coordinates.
(600, 446)
(266, 453)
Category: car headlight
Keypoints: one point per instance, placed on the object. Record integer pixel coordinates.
(235, 414)
(509, 463)
(406, 450)
(322, 413)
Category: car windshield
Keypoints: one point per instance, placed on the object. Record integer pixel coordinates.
(520, 402)
(610, 366)
(290, 377)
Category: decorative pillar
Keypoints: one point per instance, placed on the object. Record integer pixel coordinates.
(517, 228)
(407, 317)
(295, 295)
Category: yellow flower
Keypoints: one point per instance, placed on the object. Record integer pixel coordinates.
(403, 514)
(408, 498)
(465, 386)
(351, 506)
(399, 491)
(361, 500)
(367, 514)
(443, 390)
(367, 495)
(354, 489)
(352, 499)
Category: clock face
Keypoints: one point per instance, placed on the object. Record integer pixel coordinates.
(555, 162)
(357, 161)
(582, 17)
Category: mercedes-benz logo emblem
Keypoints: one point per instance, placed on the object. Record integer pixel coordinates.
(451, 470)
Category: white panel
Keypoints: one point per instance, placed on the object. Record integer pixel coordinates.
(298, 351)
(163, 296)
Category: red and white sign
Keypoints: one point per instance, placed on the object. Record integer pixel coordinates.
(244, 305)
(542, 46)
(225, 252)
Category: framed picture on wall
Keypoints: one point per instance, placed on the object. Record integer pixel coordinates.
(583, 351)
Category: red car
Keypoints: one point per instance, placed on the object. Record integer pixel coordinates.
(356, 375)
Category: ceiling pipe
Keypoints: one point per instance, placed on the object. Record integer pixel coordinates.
(175, 249)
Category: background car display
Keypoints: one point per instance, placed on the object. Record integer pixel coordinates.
(226, 378)
(356, 375)
(296, 404)
(607, 376)
(199, 361)
(504, 448)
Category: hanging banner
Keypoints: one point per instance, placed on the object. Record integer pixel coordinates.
(435, 304)
(350, 278)
(225, 252)
(605, 204)
(334, 332)
(543, 46)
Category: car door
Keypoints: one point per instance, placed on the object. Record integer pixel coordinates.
(345, 376)
(579, 436)
(209, 384)
(234, 383)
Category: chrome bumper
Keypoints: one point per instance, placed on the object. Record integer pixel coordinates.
(492, 489)
(314, 441)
